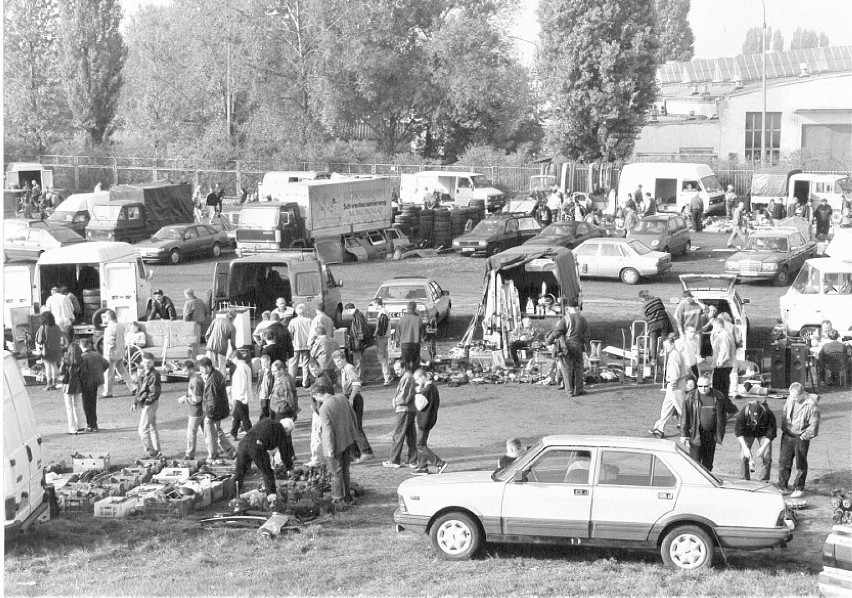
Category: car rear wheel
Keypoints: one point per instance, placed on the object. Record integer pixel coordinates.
(174, 256)
(455, 537)
(217, 250)
(629, 276)
(687, 547)
(781, 278)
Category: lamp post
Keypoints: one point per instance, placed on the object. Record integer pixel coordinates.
(763, 80)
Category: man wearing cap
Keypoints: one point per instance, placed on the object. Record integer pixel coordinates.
(702, 426)
(360, 336)
(339, 434)
(267, 435)
(195, 310)
(688, 313)
(675, 378)
(659, 324)
(221, 339)
(799, 425)
(160, 307)
(350, 382)
(147, 401)
(381, 338)
(571, 334)
(409, 334)
(300, 329)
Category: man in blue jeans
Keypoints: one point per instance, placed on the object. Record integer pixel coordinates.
(404, 430)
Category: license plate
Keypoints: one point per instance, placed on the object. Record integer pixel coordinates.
(468, 249)
(395, 314)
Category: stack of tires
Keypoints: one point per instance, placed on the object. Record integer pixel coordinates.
(458, 218)
(443, 231)
(427, 224)
(91, 303)
(478, 207)
(407, 219)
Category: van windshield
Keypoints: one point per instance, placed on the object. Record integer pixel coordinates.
(61, 216)
(264, 217)
(808, 281)
(845, 185)
(711, 184)
(480, 180)
(107, 212)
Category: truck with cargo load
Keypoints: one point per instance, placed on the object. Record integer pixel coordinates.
(315, 213)
(135, 212)
(76, 211)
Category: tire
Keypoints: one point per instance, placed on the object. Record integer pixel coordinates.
(217, 250)
(96, 319)
(782, 278)
(630, 276)
(455, 537)
(688, 548)
(174, 257)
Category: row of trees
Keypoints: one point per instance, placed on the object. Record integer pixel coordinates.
(802, 38)
(228, 78)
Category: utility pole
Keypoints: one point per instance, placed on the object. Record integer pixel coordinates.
(228, 88)
(763, 148)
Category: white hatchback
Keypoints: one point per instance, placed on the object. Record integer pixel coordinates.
(596, 491)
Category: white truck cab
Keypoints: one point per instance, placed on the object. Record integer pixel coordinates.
(673, 184)
(821, 291)
(453, 186)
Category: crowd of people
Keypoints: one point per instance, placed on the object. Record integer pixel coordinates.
(37, 202)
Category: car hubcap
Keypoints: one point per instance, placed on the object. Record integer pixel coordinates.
(217, 250)
(688, 551)
(454, 537)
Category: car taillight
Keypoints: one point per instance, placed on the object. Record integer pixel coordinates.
(402, 506)
(12, 508)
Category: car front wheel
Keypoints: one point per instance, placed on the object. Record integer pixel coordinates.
(217, 250)
(781, 278)
(174, 256)
(687, 547)
(629, 276)
(455, 537)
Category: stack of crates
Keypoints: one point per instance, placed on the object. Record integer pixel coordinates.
(116, 506)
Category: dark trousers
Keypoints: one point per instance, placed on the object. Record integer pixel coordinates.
(404, 432)
(572, 368)
(425, 456)
(697, 215)
(762, 465)
(241, 416)
(90, 405)
(793, 446)
(338, 467)
(722, 380)
(361, 438)
(706, 451)
(653, 345)
(410, 355)
(278, 416)
(250, 451)
(264, 408)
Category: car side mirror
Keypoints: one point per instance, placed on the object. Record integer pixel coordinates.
(746, 301)
(149, 275)
(520, 476)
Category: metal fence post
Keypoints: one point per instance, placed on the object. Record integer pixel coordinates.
(239, 178)
(76, 173)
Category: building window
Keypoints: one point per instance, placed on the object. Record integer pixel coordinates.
(754, 136)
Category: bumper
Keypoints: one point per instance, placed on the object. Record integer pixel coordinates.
(767, 275)
(407, 522)
(155, 257)
(750, 538)
(473, 251)
(834, 583)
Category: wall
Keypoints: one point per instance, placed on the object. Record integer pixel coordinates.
(671, 137)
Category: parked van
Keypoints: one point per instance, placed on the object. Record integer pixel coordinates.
(258, 280)
(18, 174)
(807, 186)
(821, 291)
(23, 468)
(76, 211)
(100, 274)
(270, 188)
(770, 183)
(454, 187)
(670, 182)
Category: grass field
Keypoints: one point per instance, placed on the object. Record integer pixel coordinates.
(358, 552)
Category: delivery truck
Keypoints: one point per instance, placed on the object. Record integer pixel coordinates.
(453, 187)
(315, 213)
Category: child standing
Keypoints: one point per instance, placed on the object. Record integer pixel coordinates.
(192, 398)
(147, 401)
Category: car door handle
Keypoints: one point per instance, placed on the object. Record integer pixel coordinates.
(581, 492)
(665, 495)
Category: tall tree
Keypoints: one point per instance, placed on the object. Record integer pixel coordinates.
(823, 40)
(93, 53)
(673, 29)
(33, 102)
(754, 35)
(807, 38)
(598, 67)
(777, 41)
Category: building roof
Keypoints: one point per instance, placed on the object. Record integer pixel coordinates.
(749, 68)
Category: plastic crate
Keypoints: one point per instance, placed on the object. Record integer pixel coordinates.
(171, 507)
(75, 505)
(142, 475)
(152, 465)
(220, 467)
(147, 490)
(115, 506)
(82, 464)
(172, 475)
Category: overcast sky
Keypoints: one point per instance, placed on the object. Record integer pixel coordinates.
(719, 25)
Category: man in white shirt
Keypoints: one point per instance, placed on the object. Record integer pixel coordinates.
(675, 386)
(62, 309)
(241, 393)
(300, 330)
(114, 349)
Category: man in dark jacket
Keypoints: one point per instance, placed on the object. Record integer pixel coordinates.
(160, 307)
(703, 424)
(756, 421)
(425, 419)
(92, 368)
(216, 408)
(267, 435)
(570, 336)
(542, 214)
(147, 401)
(360, 336)
(409, 334)
(659, 325)
(822, 218)
(339, 436)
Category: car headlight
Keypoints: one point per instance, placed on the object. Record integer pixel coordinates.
(402, 506)
(770, 266)
(655, 242)
(729, 265)
(456, 243)
(483, 243)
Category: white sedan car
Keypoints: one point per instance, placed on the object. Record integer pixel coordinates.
(627, 259)
(596, 491)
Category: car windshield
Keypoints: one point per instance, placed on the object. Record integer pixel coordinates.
(711, 184)
(490, 226)
(401, 293)
(506, 474)
(61, 216)
(265, 217)
(64, 234)
(106, 212)
(640, 248)
(651, 227)
(480, 180)
(560, 229)
(811, 281)
(777, 244)
(169, 233)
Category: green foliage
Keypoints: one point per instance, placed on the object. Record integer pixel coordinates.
(777, 41)
(673, 29)
(34, 110)
(93, 58)
(808, 38)
(598, 67)
(774, 40)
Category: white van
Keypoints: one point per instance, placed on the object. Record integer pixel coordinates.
(76, 211)
(821, 291)
(23, 468)
(453, 186)
(807, 186)
(669, 183)
(270, 188)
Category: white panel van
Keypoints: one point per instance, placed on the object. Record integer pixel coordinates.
(669, 183)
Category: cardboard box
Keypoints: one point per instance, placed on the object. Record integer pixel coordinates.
(83, 464)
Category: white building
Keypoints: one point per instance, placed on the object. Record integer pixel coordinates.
(712, 108)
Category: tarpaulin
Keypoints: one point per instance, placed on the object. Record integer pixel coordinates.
(536, 259)
(165, 202)
(771, 182)
(797, 222)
